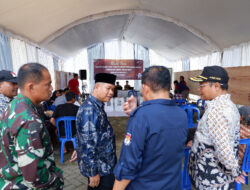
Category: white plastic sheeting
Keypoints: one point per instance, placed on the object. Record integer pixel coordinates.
(197, 63)
(23, 53)
(237, 56)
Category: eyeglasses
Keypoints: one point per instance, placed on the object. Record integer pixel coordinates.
(201, 85)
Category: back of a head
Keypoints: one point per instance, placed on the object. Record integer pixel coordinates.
(157, 78)
(30, 72)
(75, 75)
(70, 96)
(60, 91)
(245, 113)
(65, 90)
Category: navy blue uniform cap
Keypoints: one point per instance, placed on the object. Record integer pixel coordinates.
(8, 76)
(212, 74)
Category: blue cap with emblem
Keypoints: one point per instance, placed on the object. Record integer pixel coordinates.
(8, 76)
(212, 74)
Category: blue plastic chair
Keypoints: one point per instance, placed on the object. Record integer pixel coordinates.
(190, 109)
(67, 120)
(186, 183)
(181, 102)
(246, 161)
(202, 104)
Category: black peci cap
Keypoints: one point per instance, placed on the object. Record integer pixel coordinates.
(8, 76)
(105, 77)
(212, 74)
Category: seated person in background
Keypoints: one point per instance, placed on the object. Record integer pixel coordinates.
(244, 129)
(184, 90)
(55, 94)
(191, 132)
(117, 87)
(46, 119)
(190, 136)
(61, 99)
(127, 86)
(67, 109)
(177, 91)
(176, 87)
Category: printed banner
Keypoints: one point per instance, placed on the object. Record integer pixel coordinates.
(124, 69)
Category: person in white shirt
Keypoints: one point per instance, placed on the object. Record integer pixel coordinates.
(213, 162)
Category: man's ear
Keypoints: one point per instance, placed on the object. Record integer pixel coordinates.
(146, 88)
(29, 86)
(217, 85)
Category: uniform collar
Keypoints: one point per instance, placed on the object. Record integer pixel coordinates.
(159, 101)
(155, 101)
(27, 100)
(98, 102)
(5, 98)
(220, 98)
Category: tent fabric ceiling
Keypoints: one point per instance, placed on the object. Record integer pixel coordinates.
(193, 27)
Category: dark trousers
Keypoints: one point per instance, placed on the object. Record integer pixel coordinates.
(106, 183)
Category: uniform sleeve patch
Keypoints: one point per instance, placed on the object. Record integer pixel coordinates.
(127, 140)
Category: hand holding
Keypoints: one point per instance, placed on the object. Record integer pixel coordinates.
(94, 181)
(130, 105)
(241, 179)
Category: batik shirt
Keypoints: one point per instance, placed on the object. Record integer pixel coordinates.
(4, 100)
(213, 162)
(95, 139)
(26, 154)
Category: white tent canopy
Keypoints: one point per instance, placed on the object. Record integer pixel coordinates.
(176, 29)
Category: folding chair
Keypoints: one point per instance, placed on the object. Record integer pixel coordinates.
(181, 102)
(186, 183)
(67, 121)
(190, 109)
(245, 163)
(202, 104)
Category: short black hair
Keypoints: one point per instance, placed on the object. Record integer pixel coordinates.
(176, 82)
(30, 72)
(224, 86)
(157, 78)
(75, 75)
(245, 113)
(65, 89)
(60, 91)
(70, 96)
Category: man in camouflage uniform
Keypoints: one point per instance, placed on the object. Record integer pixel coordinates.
(8, 88)
(95, 137)
(26, 154)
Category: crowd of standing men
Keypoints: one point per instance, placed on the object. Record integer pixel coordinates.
(152, 151)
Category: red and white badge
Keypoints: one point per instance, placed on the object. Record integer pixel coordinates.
(13, 74)
(127, 140)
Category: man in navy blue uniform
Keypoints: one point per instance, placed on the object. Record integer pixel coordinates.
(153, 147)
(95, 137)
